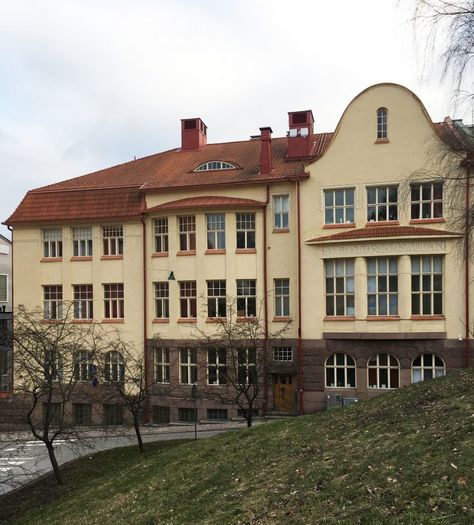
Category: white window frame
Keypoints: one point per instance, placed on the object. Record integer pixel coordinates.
(187, 300)
(218, 363)
(214, 165)
(161, 365)
(349, 363)
(160, 229)
(247, 366)
(382, 124)
(428, 270)
(215, 223)
(83, 295)
(114, 367)
(188, 366)
(246, 231)
(114, 301)
(112, 240)
(247, 298)
(216, 298)
(384, 208)
(419, 372)
(382, 286)
(281, 212)
(333, 204)
(84, 366)
(53, 301)
(282, 297)
(162, 300)
(82, 241)
(426, 207)
(283, 353)
(341, 273)
(383, 364)
(52, 243)
(187, 233)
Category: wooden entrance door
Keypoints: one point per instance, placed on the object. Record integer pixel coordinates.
(283, 393)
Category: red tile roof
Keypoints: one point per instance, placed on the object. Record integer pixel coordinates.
(382, 232)
(207, 202)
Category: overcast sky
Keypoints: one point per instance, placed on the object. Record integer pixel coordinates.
(88, 84)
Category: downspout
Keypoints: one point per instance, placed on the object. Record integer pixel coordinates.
(146, 415)
(466, 266)
(12, 375)
(265, 307)
(300, 343)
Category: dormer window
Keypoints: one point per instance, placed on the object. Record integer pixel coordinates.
(215, 165)
(382, 132)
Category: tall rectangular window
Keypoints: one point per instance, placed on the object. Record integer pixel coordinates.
(282, 297)
(216, 299)
(339, 287)
(161, 235)
(113, 414)
(3, 287)
(216, 366)
(427, 285)
(188, 366)
(245, 230)
(52, 243)
(281, 212)
(114, 301)
(82, 241)
(81, 413)
(187, 233)
(112, 239)
(339, 206)
(246, 297)
(247, 366)
(162, 301)
(216, 231)
(382, 203)
(53, 302)
(161, 362)
(382, 286)
(427, 200)
(83, 301)
(84, 366)
(187, 299)
(382, 123)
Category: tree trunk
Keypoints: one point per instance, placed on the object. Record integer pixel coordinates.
(137, 432)
(249, 416)
(54, 463)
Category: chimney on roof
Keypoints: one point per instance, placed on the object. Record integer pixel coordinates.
(300, 135)
(193, 134)
(266, 164)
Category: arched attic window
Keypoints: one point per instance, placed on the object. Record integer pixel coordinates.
(215, 165)
(382, 124)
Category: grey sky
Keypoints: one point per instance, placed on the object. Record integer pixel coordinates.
(91, 83)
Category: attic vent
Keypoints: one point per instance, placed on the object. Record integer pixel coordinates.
(215, 165)
(190, 124)
(299, 118)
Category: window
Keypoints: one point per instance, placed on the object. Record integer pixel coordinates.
(216, 231)
(53, 302)
(216, 366)
(427, 200)
(114, 366)
(3, 288)
(384, 371)
(161, 362)
(282, 297)
(283, 353)
(113, 414)
(339, 287)
(247, 366)
(216, 299)
(82, 242)
(427, 285)
(382, 286)
(382, 131)
(114, 301)
(187, 415)
(4, 367)
(340, 371)
(246, 298)
(427, 366)
(83, 301)
(161, 235)
(53, 243)
(215, 165)
(162, 307)
(53, 366)
(84, 367)
(81, 413)
(245, 231)
(188, 365)
(339, 206)
(187, 299)
(217, 414)
(280, 212)
(112, 239)
(53, 414)
(161, 415)
(187, 233)
(382, 203)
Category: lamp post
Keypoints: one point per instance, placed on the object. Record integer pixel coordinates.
(194, 395)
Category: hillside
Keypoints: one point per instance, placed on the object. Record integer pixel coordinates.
(403, 458)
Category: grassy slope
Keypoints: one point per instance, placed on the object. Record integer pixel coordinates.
(403, 458)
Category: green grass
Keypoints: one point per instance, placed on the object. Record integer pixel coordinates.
(403, 458)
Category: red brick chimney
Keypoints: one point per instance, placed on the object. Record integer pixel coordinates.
(193, 134)
(300, 136)
(266, 164)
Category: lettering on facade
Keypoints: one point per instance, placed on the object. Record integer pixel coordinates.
(385, 248)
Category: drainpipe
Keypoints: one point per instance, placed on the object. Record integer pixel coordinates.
(146, 415)
(466, 266)
(265, 307)
(12, 377)
(300, 343)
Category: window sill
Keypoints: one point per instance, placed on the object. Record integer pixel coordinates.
(341, 387)
(113, 321)
(161, 321)
(384, 388)
(247, 320)
(339, 318)
(78, 258)
(246, 250)
(383, 318)
(111, 257)
(434, 317)
(381, 141)
(216, 320)
(51, 259)
(160, 254)
(282, 319)
(339, 225)
(381, 223)
(281, 230)
(187, 252)
(184, 320)
(214, 252)
(82, 321)
(427, 221)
